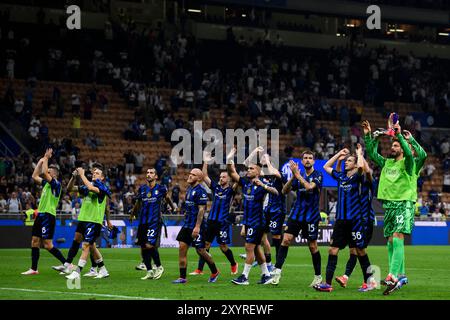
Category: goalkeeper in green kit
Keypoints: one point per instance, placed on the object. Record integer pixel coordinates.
(398, 191)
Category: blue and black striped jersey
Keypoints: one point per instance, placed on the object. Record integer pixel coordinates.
(306, 206)
(348, 203)
(151, 199)
(276, 202)
(253, 196)
(222, 197)
(195, 196)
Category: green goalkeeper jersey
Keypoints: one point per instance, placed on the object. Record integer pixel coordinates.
(51, 192)
(396, 177)
(419, 160)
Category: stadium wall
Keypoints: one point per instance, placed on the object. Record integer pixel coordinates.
(14, 234)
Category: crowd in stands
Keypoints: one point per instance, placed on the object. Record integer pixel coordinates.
(290, 87)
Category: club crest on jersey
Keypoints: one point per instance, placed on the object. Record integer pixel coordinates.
(249, 190)
(149, 194)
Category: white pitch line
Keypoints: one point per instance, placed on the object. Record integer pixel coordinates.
(81, 294)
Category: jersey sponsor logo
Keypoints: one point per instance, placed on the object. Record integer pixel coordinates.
(249, 197)
(346, 187)
(392, 173)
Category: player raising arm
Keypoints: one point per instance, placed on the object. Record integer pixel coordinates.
(254, 220)
(44, 225)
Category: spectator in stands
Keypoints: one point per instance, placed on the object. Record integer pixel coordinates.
(119, 182)
(142, 131)
(409, 122)
(89, 141)
(420, 182)
(138, 162)
(88, 108)
(76, 211)
(434, 196)
(173, 160)
(18, 107)
(3, 203)
(13, 204)
(43, 132)
(176, 190)
(128, 205)
(75, 103)
(157, 126)
(66, 205)
(436, 215)
(446, 164)
(160, 164)
(130, 179)
(76, 125)
(446, 184)
(129, 162)
(103, 100)
(418, 130)
(429, 169)
(445, 148)
(424, 211)
(166, 179)
(34, 131)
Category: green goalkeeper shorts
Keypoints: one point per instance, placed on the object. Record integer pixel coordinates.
(398, 217)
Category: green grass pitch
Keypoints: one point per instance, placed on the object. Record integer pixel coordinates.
(427, 268)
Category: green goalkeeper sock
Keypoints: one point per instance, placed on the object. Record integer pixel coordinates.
(402, 266)
(397, 256)
(390, 247)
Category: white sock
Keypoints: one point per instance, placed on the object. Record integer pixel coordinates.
(269, 264)
(103, 269)
(247, 268)
(81, 263)
(264, 269)
(66, 264)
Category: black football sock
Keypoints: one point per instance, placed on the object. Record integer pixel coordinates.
(351, 263)
(73, 251)
(268, 257)
(316, 258)
(100, 263)
(94, 264)
(147, 259)
(282, 254)
(331, 267)
(365, 264)
(183, 273)
(212, 267)
(34, 258)
(230, 257)
(155, 256)
(276, 243)
(57, 254)
(201, 262)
